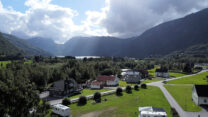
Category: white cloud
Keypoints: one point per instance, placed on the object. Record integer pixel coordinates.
(123, 18)
(127, 18)
(46, 20)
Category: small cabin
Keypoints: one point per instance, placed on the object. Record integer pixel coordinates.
(61, 110)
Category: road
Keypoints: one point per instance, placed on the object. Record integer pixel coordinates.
(173, 102)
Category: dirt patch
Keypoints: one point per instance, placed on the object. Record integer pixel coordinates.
(99, 113)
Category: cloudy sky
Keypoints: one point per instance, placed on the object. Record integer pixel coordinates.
(62, 19)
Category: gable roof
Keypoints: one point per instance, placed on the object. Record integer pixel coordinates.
(106, 78)
(202, 90)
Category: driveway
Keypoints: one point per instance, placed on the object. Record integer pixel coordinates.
(173, 102)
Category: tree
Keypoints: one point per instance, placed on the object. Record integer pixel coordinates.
(128, 89)
(66, 101)
(82, 100)
(144, 86)
(18, 94)
(119, 91)
(136, 87)
(187, 68)
(97, 97)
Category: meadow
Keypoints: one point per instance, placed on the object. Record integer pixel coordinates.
(183, 95)
(123, 106)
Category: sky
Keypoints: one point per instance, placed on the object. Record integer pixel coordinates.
(61, 20)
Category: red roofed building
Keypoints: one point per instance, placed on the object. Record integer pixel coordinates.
(96, 85)
(108, 80)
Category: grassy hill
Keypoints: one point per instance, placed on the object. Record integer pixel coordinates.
(17, 45)
(6, 48)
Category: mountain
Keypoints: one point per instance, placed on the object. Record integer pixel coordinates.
(23, 46)
(47, 45)
(7, 48)
(163, 39)
(199, 50)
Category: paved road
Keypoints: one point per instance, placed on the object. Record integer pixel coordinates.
(173, 102)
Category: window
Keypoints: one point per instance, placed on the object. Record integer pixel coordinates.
(205, 101)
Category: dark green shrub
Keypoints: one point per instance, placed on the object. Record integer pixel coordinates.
(128, 89)
(136, 87)
(119, 91)
(144, 86)
(97, 97)
(66, 101)
(82, 100)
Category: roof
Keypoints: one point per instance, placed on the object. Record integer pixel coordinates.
(152, 111)
(202, 90)
(161, 70)
(106, 78)
(60, 106)
(95, 82)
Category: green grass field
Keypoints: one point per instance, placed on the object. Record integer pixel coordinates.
(4, 63)
(86, 92)
(176, 74)
(124, 106)
(196, 79)
(172, 74)
(152, 71)
(183, 95)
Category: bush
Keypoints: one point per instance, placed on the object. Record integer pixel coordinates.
(82, 100)
(119, 91)
(136, 87)
(174, 112)
(138, 82)
(97, 97)
(144, 86)
(128, 89)
(66, 101)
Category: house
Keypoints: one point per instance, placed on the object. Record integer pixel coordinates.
(127, 72)
(61, 88)
(200, 95)
(108, 80)
(151, 112)
(144, 73)
(162, 73)
(133, 77)
(96, 85)
(61, 110)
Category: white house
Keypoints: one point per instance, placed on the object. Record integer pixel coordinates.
(151, 112)
(96, 85)
(61, 110)
(162, 73)
(129, 72)
(200, 94)
(133, 77)
(108, 80)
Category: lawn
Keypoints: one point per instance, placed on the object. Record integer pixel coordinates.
(4, 63)
(196, 79)
(124, 106)
(86, 92)
(124, 84)
(183, 95)
(152, 71)
(176, 74)
(152, 80)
